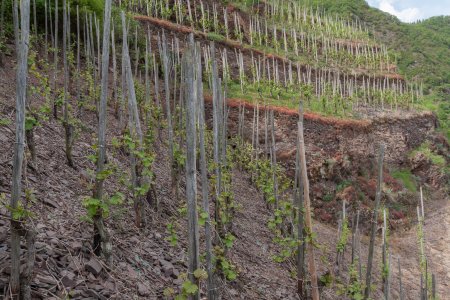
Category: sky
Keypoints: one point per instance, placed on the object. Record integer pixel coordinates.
(413, 10)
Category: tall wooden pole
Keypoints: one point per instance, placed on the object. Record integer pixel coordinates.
(101, 236)
(55, 59)
(308, 220)
(134, 126)
(216, 133)
(16, 189)
(299, 200)
(78, 59)
(212, 295)
(191, 165)
(67, 126)
(374, 223)
(165, 62)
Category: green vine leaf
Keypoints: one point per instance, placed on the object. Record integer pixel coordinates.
(189, 287)
(200, 274)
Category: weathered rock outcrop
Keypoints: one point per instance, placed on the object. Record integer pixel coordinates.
(351, 143)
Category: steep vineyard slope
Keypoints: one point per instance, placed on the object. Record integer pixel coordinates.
(422, 47)
(145, 263)
(178, 192)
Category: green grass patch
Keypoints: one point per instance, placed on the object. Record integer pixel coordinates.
(407, 178)
(5, 122)
(328, 197)
(270, 94)
(435, 159)
(215, 37)
(396, 206)
(342, 185)
(284, 98)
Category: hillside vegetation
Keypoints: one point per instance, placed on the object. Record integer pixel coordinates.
(422, 49)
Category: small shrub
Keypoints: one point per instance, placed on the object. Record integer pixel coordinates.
(326, 279)
(328, 197)
(407, 178)
(342, 185)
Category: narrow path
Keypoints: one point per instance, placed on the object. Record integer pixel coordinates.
(253, 247)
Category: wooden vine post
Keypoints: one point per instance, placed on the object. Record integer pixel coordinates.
(135, 133)
(308, 220)
(55, 59)
(114, 63)
(165, 62)
(217, 137)
(102, 244)
(77, 82)
(299, 216)
(212, 295)
(191, 165)
(374, 222)
(386, 273)
(67, 125)
(19, 283)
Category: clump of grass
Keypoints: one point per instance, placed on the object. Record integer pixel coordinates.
(407, 178)
(435, 159)
(342, 185)
(215, 37)
(328, 197)
(5, 122)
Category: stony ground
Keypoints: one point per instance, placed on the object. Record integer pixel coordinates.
(145, 264)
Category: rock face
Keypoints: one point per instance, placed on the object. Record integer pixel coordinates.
(341, 153)
(331, 139)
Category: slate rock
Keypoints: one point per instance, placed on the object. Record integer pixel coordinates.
(39, 245)
(49, 202)
(40, 226)
(168, 270)
(109, 285)
(75, 265)
(94, 295)
(163, 262)
(93, 266)
(68, 279)
(143, 290)
(76, 246)
(45, 280)
(134, 240)
(131, 272)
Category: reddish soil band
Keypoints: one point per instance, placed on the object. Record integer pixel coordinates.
(336, 122)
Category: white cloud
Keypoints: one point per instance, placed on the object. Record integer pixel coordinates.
(409, 14)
